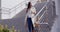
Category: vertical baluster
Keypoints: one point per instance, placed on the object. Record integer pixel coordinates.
(46, 15)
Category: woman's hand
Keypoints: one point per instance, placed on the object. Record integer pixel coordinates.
(33, 13)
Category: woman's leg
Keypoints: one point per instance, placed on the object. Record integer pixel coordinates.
(29, 24)
(32, 28)
(29, 27)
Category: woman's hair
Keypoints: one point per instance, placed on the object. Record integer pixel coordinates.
(29, 6)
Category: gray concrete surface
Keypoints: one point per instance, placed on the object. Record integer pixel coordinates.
(56, 26)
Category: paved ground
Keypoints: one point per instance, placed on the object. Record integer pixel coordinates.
(56, 26)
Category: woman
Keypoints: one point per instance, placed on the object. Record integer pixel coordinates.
(29, 17)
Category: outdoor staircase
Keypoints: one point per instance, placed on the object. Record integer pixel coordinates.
(18, 20)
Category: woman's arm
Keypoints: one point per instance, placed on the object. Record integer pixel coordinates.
(33, 10)
(34, 13)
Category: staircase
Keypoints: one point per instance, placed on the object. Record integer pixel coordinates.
(18, 19)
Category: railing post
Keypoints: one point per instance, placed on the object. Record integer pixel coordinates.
(46, 14)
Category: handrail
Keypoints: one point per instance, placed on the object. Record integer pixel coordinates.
(5, 8)
(40, 10)
(17, 5)
(20, 4)
(41, 15)
(14, 9)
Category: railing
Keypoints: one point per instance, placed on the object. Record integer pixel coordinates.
(45, 12)
(16, 9)
(45, 15)
(10, 13)
(5, 13)
(13, 11)
(42, 12)
(21, 7)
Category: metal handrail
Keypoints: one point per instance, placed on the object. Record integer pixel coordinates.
(19, 4)
(42, 14)
(40, 10)
(13, 10)
(15, 6)
(5, 8)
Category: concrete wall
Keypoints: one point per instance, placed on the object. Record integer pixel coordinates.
(0, 8)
